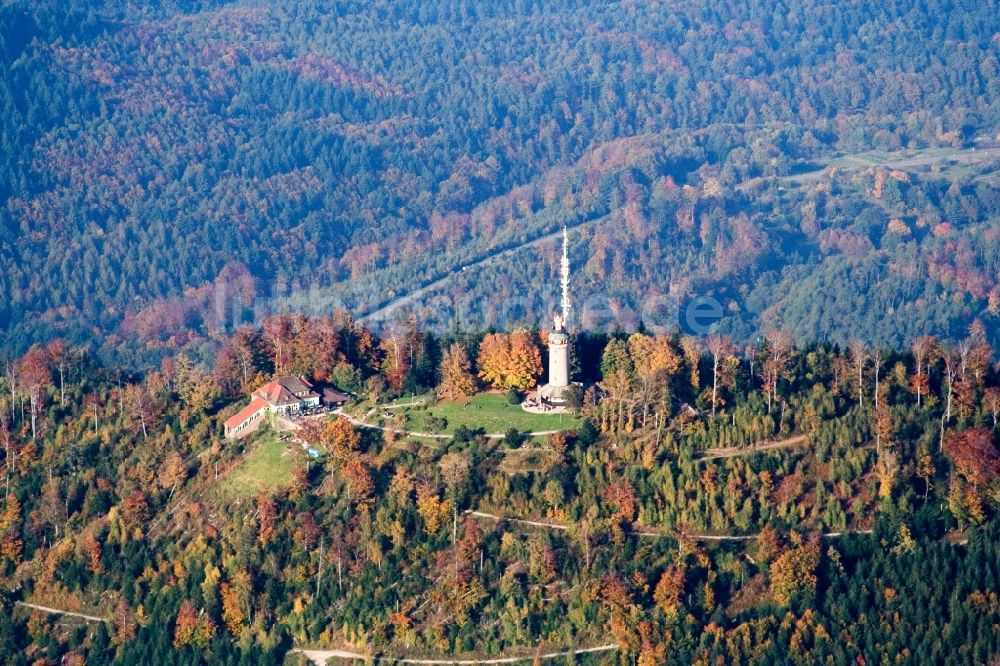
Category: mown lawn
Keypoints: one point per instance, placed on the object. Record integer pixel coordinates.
(267, 465)
(489, 411)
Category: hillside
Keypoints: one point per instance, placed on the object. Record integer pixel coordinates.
(170, 168)
(787, 505)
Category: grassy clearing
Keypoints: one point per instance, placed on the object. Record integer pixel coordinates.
(951, 163)
(408, 399)
(267, 465)
(523, 462)
(361, 408)
(489, 411)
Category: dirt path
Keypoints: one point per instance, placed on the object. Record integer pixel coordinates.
(733, 451)
(518, 521)
(699, 537)
(557, 526)
(58, 611)
(385, 310)
(837, 534)
(364, 424)
(639, 533)
(320, 657)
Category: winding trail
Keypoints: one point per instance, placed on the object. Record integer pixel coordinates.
(59, 611)
(386, 309)
(639, 533)
(517, 521)
(734, 451)
(320, 657)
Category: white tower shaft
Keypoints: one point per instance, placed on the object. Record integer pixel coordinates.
(558, 364)
(564, 270)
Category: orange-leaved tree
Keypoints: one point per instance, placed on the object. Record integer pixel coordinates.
(457, 380)
(510, 361)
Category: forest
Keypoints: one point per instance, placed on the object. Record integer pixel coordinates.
(200, 196)
(712, 503)
(171, 170)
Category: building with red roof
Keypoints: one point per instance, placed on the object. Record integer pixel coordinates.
(282, 396)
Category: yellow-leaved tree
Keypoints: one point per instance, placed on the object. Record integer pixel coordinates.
(457, 380)
(667, 594)
(793, 572)
(431, 508)
(341, 439)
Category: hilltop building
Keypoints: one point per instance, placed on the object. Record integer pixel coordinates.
(284, 396)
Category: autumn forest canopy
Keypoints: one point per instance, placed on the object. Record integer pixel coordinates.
(204, 202)
(157, 155)
(702, 503)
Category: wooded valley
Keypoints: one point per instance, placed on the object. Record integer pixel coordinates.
(156, 154)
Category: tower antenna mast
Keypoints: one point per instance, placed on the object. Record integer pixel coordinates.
(564, 270)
